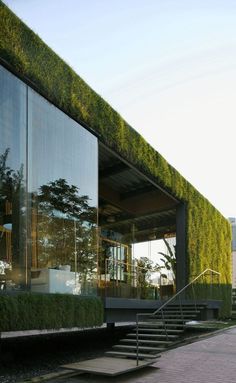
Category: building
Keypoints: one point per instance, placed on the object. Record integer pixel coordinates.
(79, 187)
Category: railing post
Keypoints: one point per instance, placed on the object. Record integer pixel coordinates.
(206, 285)
(160, 287)
(194, 297)
(181, 309)
(106, 260)
(163, 320)
(211, 285)
(184, 288)
(137, 339)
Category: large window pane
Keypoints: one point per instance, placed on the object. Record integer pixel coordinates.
(13, 263)
(63, 196)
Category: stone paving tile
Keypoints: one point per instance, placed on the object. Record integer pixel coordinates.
(212, 360)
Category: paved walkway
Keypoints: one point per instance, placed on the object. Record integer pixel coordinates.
(211, 360)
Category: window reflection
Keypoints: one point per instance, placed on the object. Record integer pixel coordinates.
(64, 232)
(13, 261)
(113, 260)
(63, 183)
(56, 211)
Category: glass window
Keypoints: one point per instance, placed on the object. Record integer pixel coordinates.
(13, 261)
(63, 179)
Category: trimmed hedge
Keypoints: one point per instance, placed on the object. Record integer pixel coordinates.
(208, 232)
(27, 311)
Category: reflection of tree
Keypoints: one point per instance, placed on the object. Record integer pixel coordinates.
(11, 181)
(59, 197)
(63, 223)
(66, 228)
(12, 207)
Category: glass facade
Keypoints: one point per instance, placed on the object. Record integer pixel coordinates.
(49, 237)
(13, 254)
(59, 160)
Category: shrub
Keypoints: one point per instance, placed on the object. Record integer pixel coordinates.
(28, 311)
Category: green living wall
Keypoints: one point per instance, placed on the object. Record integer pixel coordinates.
(208, 232)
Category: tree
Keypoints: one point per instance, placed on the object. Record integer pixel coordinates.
(169, 259)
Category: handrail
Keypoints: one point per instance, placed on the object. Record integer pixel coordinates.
(114, 268)
(166, 303)
(184, 288)
(118, 262)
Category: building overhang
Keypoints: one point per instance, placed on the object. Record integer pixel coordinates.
(132, 204)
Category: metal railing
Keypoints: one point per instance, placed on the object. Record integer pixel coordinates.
(177, 295)
(128, 279)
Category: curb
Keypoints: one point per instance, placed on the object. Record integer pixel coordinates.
(51, 375)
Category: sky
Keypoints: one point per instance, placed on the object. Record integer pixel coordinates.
(167, 66)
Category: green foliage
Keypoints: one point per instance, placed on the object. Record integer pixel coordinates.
(146, 268)
(169, 259)
(27, 311)
(208, 232)
(65, 219)
(210, 290)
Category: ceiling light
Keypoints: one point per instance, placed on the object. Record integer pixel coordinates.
(111, 219)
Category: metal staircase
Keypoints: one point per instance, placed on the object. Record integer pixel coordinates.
(156, 332)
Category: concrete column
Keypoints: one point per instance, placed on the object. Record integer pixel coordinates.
(181, 246)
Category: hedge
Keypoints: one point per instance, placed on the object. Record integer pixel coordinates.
(28, 311)
(208, 232)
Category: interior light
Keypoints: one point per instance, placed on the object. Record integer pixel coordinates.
(7, 222)
(111, 219)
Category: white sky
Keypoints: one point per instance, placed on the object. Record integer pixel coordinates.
(167, 66)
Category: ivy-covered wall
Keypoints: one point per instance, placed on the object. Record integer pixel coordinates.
(209, 233)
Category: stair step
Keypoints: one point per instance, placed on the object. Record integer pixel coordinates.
(184, 307)
(160, 324)
(160, 320)
(175, 310)
(133, 355)
(152, 336)
(141, 348)
(134, 341)
(188, 306)
(175, 314)
(156, 332)
(159, 330)
(169, 318)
